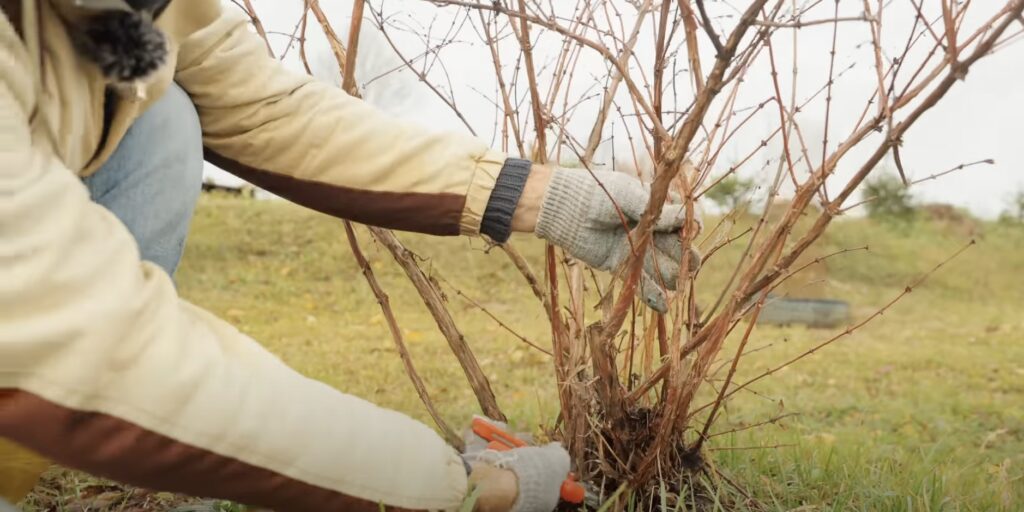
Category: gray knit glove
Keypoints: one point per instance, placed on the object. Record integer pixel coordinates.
(539, 470)
(577, 215)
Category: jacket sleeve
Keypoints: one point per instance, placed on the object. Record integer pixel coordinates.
(103, 368)
(319, 147)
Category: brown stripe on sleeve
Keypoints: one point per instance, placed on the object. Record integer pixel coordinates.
(114, 448)
(434, 214)
(12, 9)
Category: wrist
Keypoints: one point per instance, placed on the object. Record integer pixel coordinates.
(524, 220)
(498, 488)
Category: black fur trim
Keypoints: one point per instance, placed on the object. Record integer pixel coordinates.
(148, 5)
(125, 45)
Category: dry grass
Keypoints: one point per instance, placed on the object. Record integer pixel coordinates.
(921, 410)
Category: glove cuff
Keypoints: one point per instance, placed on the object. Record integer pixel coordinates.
(564, 208)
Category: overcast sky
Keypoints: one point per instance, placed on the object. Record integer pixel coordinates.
(979, 118)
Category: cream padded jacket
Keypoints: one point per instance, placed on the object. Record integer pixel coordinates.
(104, 368)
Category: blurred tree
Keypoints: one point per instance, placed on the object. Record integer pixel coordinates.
(731, 193)
(380, 76)
(888, 198)
(1014, 212)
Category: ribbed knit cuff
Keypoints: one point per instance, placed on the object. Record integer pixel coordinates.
(497, 221)
(563, 211)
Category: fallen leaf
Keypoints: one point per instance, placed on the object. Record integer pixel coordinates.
(991, 437)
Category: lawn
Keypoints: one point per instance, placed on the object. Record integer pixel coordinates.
(923, 409)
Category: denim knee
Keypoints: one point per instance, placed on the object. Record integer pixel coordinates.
(153, 179)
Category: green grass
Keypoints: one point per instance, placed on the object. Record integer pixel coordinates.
(923, 409)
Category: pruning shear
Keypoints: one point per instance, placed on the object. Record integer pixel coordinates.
(572, 491)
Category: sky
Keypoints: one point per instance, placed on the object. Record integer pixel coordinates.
(979, 119)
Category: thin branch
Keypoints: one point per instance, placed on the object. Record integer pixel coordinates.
(257, 24)
(497, 320)
(429, 293)
(770, 421)
(348, 84)
(600, 48)
(811, 23)
(396, 334)
(849, 330)
(987, 161)
(434, 301)
(706, 22)
(332, 38)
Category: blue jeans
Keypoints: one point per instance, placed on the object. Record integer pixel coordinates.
(152, 180)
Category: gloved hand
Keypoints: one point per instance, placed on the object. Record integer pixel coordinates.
(577, 215)
(539, 470)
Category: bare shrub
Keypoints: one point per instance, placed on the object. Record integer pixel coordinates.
(686, 83)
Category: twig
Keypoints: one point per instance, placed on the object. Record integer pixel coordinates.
(600, 48)
(720, 399)
(867, 200)
(429, 293)
(435, 304)
(692, 50)
(849, 330)
(670, 165)
(531, 278)
(745, 448)
(828, 95)
(497, 320)
(987, 161)
(332, 37)
(706, 21)
(770, 421)
(811, 23)
(349, 82)
(298, 32)
(420, 74)
(953, 75)
(396, 334)
(257, 24)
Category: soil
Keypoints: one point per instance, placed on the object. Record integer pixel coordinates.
(64, 491)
